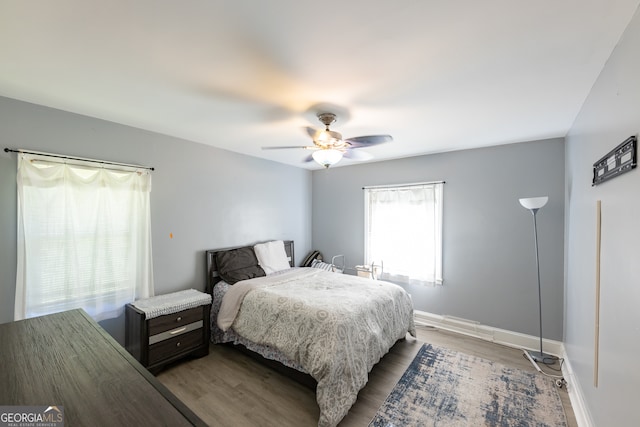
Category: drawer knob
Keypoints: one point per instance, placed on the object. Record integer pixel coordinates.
(178, 344)
(178, 319)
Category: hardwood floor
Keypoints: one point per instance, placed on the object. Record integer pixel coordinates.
(228, 388)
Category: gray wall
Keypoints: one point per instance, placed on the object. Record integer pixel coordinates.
(489, 260)
(609, 115)
(206, 197)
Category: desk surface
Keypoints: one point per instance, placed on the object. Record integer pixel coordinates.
(67, 359)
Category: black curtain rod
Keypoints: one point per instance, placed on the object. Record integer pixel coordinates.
(9, 150)
(415, 184)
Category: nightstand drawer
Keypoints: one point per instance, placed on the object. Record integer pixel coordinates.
(173, 346)
(175, 320)
(154, 339)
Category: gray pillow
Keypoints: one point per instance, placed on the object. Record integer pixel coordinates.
(238, 264)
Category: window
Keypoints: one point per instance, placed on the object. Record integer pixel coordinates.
(84, 238)
(403, 230)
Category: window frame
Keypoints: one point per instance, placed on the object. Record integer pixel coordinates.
(435, 273)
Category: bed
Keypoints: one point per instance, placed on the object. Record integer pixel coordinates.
(317, 324)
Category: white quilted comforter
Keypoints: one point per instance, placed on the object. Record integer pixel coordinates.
(335, 326)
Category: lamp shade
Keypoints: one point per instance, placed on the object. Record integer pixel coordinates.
(327, 157)
(534, 202)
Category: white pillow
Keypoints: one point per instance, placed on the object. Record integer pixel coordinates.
(272, 256)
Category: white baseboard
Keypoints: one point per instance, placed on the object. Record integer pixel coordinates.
(514, 340)
(488, 333)
(580, 409)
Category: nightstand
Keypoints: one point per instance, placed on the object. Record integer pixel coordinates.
(162, 329)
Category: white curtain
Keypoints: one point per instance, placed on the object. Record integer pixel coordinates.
(404, 232)
(84, 238)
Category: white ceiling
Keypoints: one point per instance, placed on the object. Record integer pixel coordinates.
(240, 75)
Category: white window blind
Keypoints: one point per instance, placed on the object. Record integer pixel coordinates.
(84, 237)
(403, 231)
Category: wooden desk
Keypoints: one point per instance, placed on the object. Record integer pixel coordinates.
(67, 359)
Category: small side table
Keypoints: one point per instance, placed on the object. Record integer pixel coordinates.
(371, 271)
(165, 328)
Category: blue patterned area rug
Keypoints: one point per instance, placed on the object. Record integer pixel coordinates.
(443, 387)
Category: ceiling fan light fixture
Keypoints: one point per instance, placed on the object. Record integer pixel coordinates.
(327, 157)
(327, 138)
(329, 146)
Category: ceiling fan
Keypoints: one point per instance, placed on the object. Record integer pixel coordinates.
(329, 147)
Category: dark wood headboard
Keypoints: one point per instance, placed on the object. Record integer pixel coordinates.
(212, 269)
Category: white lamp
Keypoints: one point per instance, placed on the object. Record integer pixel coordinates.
(534, 204)
(327, 156)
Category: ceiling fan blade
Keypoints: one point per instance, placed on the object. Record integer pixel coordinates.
(313, 133)
(308, 159)
(284, 147)
(358, 155)
(368, 141)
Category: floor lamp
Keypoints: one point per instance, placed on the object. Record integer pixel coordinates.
(534, 204)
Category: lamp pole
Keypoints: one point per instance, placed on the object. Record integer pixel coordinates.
(534, 204)
(538, 356)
